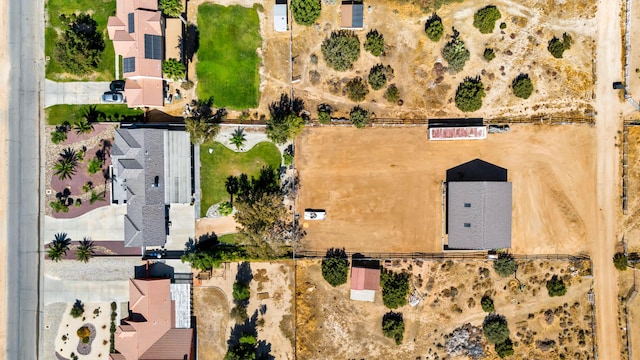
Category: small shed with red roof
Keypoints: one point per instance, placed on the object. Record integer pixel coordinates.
(364, 283)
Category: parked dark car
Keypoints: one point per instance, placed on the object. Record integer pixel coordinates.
(117, 85)
(618, 85)
(112, 97)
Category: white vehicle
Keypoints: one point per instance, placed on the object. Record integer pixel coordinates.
(310, 214)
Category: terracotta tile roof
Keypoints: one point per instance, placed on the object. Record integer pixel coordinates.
(365, 279)
(176, 344)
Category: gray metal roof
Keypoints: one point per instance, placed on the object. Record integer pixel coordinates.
(177, 167)
(479, 215)
(357, 16)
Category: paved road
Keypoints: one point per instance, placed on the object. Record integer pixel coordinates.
(25, 26)
(73, 92)
(609, 122)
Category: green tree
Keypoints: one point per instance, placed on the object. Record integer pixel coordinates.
(85, 250)
(284, 122)
(341, 50)
(485, 19)
(495, 328)
(232, 186)
(237, 138)
(434, 28)
(557, 47)
(522, 86)
(487, 304)
(357, 89)
(335, 267)
(556, 287)
(79, 50)
(245, 349)
(392, 94)
(374, 43)
(78, 309)
(393, 326)
(505, 348)
(505, 265)
(171, 8)
(306, 12)
(173, 69)
(489, 54)
(620, 261)
(65, 169)
(58, 247)
(204, 124)
(241, 291)
(359, 117)
(469, 95)
(455, 53)
(82, 126)
(378, 76)
(395, 288)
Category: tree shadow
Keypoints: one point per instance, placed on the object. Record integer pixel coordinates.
(248, 328)
(191, 41)
(244, 275)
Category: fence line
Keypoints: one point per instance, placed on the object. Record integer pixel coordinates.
(625, 167)
(540, 120)
(470, 255)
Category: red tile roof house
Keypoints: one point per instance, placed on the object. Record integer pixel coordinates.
(364, 283)
(137, 34)
(149, 332)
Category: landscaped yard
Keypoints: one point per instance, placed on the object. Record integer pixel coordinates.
(100, 12)
(221, 162)
(227, 67)
(58, 114)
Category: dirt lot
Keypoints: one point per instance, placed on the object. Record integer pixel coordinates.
(381, 187)
(631, 221)
(271, 298)
(451, 294)
(427, 91)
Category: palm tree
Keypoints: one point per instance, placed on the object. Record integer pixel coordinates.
(85, 250)
(58, 247)
(232, 185)
(238, 138)
(82, 127)
(201, 131)
(64, 169)
(96, 197)
(92, 115)
(70, 155)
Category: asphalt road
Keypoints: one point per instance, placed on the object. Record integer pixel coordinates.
(24, 298)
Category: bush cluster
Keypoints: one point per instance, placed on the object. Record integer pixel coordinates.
(487, 304)
(173, 69)
(324, 114)
(469, 95)
(434, 28)
(171, 8)
(392, 94)
(393, 326)
(357, 89)
(379, 75)
(359, 117)
(335, 267)
(485, 19)
(374, 43)
(557, 47)
(455, 53)
(495, 328)
(341, 49)
(79, 50)
(489, 54)
(620, 261)
(556, 287)
(505, 348)
(225, 208)
(395, 288)
(505, 265)
(306, 12)
(522, 86)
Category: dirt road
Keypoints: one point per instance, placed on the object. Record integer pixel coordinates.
(609, 122)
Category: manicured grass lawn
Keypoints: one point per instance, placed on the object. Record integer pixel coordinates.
(100, 10)
(228, 238)
(222, 162)
(227, 66)
(58, 114)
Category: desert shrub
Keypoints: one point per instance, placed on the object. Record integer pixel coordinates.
(556, 287)
(469, 95)
(357, 89)
(557, 47)
(187, 85)
(171, 8)
(114, 306)
(78, 309)
(79, 50)
(485, 19)
(620, 261)
(95, 165)
(341, 50)
(83, 332)
(455, 53)
(287, 159)
(58, 136)
(241, 291)
(505, 265)
(503, 26)
(392, 94)
(393, 326)
(433, 27)
(225, 208)
(359, 117)
(495, 328)
(238, 313)
(335, 267)
(173, 69)
(378, 76)
(395, 287)
(505, 348)
(489, 54)
(324, 117)
(522, 86)
(306, 12)
(374, 43)
(487, 304)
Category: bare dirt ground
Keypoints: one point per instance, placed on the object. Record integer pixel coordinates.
(634, 34)
(271, 299)
(211, 309)
(561, 85)
(218, 226)
(451, 294)
(631, 223)
(381, 187)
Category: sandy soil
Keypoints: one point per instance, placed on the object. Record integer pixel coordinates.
(212, 318)
(381, 187)
(219, 226)
(561, 85)
(271, 291)
(631, 223)
(634, 59)
(451, 295)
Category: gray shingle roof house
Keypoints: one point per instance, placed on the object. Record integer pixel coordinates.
(479, 207)
(151, 170)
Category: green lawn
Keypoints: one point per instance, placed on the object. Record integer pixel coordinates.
(222, 162)
(227, 66)
(58, 114)
(100, 10)
(228, 238)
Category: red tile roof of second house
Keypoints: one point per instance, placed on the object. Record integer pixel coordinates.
(365, 279)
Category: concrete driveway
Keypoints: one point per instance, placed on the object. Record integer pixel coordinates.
(104, 223)
(80, 92)
(56, 290)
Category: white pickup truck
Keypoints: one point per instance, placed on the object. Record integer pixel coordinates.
(310, 214)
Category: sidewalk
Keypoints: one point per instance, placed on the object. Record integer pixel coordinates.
(73, 92)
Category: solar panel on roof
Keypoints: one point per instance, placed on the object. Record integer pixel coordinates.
(153, 47)
(132, 27)
(357, 16)
(129, 64)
